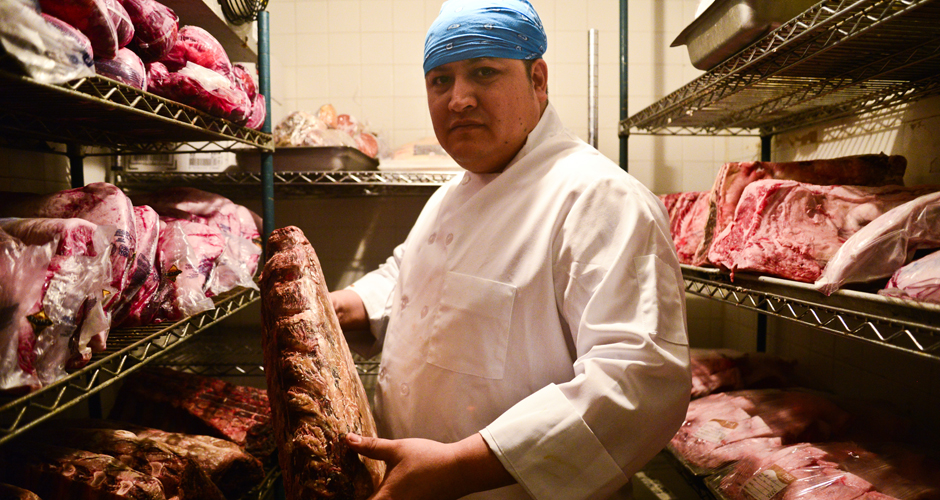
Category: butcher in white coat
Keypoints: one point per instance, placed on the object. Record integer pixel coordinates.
(532, 325)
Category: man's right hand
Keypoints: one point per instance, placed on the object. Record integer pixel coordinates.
(350, 310)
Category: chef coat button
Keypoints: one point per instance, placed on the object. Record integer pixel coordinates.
(450, 237)
(382, 372)
(405, 389)
(404, 301)
(466, 179)
(432, 238)
(424, 312)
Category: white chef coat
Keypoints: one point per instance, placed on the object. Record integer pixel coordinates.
(543, 307)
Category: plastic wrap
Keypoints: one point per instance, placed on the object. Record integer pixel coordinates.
(196, 45)
(126, 68)
(258, 112)
(92, 18)
(22, 274)
(726, 427)
(144, 270)
(919, 280)
(202, 89)
(186, 253)
(47, 52)
(882, 247)
(718, 370)
(71, 32)
(245, 80)
(837, 470)
(76, 276)
(156, 28)
(123, 25)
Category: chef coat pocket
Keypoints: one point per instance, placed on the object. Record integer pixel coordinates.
(471, 332)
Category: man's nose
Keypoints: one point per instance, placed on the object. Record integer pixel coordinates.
(463, 95)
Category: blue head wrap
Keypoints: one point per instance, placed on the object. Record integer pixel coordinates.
(466, 29)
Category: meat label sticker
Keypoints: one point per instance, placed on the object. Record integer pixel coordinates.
(767, 483)
(714, 431)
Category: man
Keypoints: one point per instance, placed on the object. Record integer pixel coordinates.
(532, 325)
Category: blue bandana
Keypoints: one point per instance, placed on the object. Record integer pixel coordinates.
(466, 29)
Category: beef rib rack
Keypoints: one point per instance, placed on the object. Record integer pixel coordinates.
(315, 393)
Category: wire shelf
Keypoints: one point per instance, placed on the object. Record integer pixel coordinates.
(836, 59)
(904, 325)
(128, 349)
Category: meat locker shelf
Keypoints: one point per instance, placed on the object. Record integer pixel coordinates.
(905, 325)
(128, 349)
(836, 59)
(292, 184)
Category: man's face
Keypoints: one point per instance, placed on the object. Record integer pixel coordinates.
(483, 109)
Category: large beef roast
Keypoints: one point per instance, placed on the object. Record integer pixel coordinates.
(315, 393)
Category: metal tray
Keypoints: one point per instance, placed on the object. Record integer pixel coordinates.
(727, 26)
(309, 158)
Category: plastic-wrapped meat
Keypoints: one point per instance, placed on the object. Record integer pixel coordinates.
(71, 32)
(156, 27)
(202, 89)
(889, 242)
(245, 80)
(122, 22)
(237, 224)
(76, 276)
(22, 274)
(196, 45)
(186, 252)
(258, 112)
(919, 280)
(10, 492)
(144, 270)
(92, 18)
(126, 68)
(718, 370)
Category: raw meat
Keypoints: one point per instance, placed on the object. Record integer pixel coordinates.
(315, 392)
(156, 27)
(245, 80)
(919, 280)
(882, 247)
(716, 370)
(126, 68)
(92, 18)
(180, 477)
(186, 254)
(861, 170)
(144, 270)
(122, 22)
(688, 228)
(258, 112)
(202, 89)
(76, 276)
(60, 472)
(22, 274)
(182, 402)
(70, 31)
(791, 229)
(10, 492)
(716, 425)
(196, 45)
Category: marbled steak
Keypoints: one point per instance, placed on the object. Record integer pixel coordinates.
(315, 393)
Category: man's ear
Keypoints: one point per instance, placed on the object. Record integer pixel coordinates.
(540, 78)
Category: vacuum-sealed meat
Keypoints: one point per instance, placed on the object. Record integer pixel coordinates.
(717, 370)
(22, 272)
(126, 68)
(39, 49)
(156, 27)
(919, 280)
(122, 22)
(245, 80)
(202, 89)
(144, 270)
(186, 254)
(882, 247)
(10, 492)
(71, 32)
(315, 392)
(92, 18)
(258, 112)
(196, 45)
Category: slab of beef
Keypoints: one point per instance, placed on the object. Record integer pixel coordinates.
(861, 170)
(10, 492)
(61, 472)
(882, 247)
(180, 476)
(316, 395)
(791, 229)
(688, 228)
(725, 427)
(719, 370)
(92, 18)
(77, 276)
(231, 468)
(194, 404)
(919, 280)
(22, 272)
(145, 269)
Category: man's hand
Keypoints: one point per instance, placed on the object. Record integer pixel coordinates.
(350, 310)
(419, 469)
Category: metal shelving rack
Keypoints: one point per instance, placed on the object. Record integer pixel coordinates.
(838, 58)
(128, 349)
(295, 184)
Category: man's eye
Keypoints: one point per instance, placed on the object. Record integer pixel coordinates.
(439, 80)
(486, 71)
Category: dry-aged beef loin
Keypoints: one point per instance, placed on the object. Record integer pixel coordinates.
(316, 395)
(10, 492)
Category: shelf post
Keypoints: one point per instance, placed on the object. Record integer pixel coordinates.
(76, 164)
(267, 158)
(624, 83)
(766, 142)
